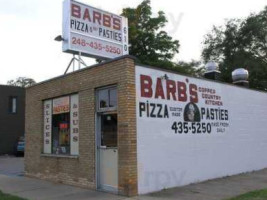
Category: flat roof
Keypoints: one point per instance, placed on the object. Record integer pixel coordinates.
(142, 65)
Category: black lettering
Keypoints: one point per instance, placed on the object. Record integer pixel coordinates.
(222, 114)
(78, 27)
(142, 108)
(147, 107)
(159, 111)
(72, 23)
(153, 109)
(226, 115)
(212, 113)
(100, 31)
(82, 27)
(203, 111)
(166, 114)
(208, 114)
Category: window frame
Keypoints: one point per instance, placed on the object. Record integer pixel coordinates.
(71, 153)
(106, 109)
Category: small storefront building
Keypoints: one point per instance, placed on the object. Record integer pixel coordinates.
(131, 129)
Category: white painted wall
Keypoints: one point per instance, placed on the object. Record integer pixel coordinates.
(166, 159)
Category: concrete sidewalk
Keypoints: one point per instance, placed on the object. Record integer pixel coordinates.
(217, 189)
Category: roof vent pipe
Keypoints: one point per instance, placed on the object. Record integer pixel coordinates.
(240, 77)
(212, 71)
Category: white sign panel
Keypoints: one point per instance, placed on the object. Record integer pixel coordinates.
(190, 130)
(93, 32)
(74, 124)
(47, 126)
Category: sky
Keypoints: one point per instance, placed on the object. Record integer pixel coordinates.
(28, 29)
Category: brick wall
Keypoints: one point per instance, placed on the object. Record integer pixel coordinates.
(81, 171)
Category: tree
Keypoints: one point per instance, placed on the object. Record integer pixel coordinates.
(240, 43)
(21, 82)
(148, 42)
(192, 68)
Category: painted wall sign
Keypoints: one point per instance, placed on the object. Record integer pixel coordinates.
(190, 130)
(74, 125)
(94, 32)
(47, 126)
(191, 107)
(61, 105)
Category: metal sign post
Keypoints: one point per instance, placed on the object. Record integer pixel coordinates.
(72, 61)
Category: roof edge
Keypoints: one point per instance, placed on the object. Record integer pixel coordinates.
(86, 68)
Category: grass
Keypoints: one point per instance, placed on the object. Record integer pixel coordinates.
(9, 197)
(254, 195)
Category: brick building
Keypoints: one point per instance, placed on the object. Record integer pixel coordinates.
(12, 117)
(133, 129)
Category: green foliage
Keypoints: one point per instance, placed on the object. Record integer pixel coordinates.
(148, 42)
(192, 68)
(240, 44)
(255, 195)
(21, 82)
(9, 197)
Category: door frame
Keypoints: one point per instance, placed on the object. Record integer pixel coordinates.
(98, 114)
(98, 144)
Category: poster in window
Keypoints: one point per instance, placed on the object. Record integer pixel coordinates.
(61, 105)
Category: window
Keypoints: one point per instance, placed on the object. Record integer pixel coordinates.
(107, 99)
(61, 125)
(61, 133)
(113, 97)
(12, 105)
(109, 130)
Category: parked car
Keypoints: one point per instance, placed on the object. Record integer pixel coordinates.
(20, 146)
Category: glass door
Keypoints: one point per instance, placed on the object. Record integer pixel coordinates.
(107, 152)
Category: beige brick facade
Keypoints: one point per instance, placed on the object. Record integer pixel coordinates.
(81, 170)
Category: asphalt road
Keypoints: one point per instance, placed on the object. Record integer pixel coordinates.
(11, 166)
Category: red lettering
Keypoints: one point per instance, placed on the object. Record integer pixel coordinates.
(159, 90)
(107, 20)
(146, 86)
(193, 93)
(182, 91)
(75, 11)
(171, 89)
(97, 17)
(116, 24)
(86, 15)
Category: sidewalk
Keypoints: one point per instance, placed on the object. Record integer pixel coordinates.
(217, 189)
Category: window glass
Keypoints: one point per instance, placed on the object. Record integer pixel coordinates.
(113, 97)
(109, 130)
(61, 133)
(107, 99)
(12, 105)
(61, 125)
(103, 99)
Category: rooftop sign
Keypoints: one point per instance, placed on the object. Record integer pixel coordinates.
(93, 32)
